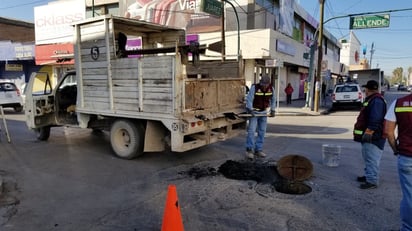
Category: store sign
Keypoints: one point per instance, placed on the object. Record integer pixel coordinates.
(13, 67)
(212, 7)
(273, 63)
(369, 21)
(285, 47)
(53, 22)
(24, 51)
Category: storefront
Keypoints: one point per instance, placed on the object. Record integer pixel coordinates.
(56, 59)
(16, 62)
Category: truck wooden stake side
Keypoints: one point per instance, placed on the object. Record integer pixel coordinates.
(160, 97)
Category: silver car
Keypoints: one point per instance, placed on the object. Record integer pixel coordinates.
(10, 96)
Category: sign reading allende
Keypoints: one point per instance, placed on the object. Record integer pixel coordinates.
(369, 21)
(213, 7)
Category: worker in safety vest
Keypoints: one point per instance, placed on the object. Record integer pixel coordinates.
(368, 130)
(259, 102)
(399, 116)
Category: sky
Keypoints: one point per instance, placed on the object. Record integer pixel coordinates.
(392, 45)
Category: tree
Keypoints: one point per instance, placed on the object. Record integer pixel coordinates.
(397, 75)
(409, 74)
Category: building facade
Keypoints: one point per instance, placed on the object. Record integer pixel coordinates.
(272, 37)
(16, 50)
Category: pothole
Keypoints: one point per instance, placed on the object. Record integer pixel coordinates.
(285, 176)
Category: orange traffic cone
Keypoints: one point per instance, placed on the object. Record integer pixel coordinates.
(172, 219)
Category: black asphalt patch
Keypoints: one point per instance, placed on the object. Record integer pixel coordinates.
(261, 172)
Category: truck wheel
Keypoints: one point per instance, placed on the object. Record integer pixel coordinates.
(126, 138)
(42, 133)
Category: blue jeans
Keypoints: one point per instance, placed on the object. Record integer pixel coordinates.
(258, 123)
(372, 157)
(405, 179)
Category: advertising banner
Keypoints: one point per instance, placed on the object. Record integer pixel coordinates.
(16, 51)
(174, 13)
(52, 22)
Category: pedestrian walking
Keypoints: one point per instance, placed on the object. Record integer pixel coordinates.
(399, 116)
(369, 131)
(289, 91)
(259, 102)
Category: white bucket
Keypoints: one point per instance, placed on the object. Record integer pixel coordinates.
(331, 155)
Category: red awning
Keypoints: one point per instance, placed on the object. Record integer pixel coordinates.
(54, 54)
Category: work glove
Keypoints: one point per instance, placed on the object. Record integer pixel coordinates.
(250, 111)
(367, 138)
(272, 114)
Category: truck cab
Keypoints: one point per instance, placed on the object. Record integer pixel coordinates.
(48, 106)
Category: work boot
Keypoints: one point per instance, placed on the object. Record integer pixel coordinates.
(361, 179)
(368, 185)
(260, 154)
(249, 154)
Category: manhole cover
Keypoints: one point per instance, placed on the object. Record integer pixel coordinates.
(295, 167)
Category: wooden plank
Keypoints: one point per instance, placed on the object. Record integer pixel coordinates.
(124, 63)
(122, 94)
(214, 69)
(96, 105)
(95, 71)
(97, 64)
(95, 88)
(231, 93)
(101, 43)
(125, 73)
(91, 78)
(201, 95)
(126, 83)
(100, 94)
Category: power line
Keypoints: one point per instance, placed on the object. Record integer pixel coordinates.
(22, 4)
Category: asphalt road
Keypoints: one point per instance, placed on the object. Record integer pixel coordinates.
(73, 182)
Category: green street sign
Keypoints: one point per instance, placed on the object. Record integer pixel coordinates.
(369, 21)
(213, 7)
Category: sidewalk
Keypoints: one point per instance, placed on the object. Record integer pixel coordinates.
(298, 108)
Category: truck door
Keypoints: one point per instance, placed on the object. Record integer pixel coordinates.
(40, 108)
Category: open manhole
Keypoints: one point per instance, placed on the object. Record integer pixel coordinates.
(295, 169)
(285, 177)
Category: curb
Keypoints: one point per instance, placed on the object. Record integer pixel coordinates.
(303, 112)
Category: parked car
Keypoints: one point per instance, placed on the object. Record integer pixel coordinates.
(402, 87)
(10, 96)
(347, 94)
(409, 88)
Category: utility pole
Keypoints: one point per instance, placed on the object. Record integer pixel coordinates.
(309, 94)
(372, 51)
(223, 32)
(320, 53)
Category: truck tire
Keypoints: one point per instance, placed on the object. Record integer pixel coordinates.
(42, 133)
(126, 139)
